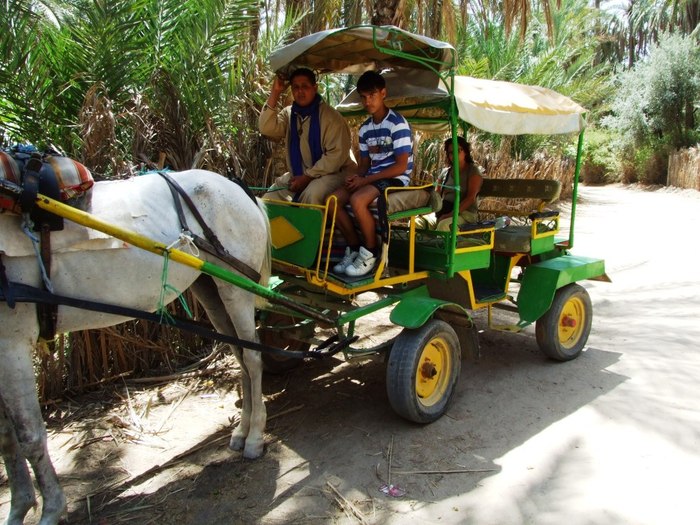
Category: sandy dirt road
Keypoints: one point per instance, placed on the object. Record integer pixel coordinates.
(610, 438)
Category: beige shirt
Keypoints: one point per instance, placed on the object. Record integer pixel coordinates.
(335, 138)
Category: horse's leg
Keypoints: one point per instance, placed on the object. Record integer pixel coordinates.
(20, 481)
(239, 435)
(255, 440)
(240, 306)
(208, 294)
(18, 392)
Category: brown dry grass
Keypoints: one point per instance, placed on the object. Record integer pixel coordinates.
(499, 165)
(82, 361)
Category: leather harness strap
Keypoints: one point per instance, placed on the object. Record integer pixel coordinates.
(48, 313)
(24, 293)
(211, 244)
(5, 286)
(31, 185)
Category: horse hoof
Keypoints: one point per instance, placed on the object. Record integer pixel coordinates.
(253, 452)
(237, 443)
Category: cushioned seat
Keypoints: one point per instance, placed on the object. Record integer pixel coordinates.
(515, 239)
(408, 199)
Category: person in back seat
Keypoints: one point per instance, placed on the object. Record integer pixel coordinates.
(386, 159)
(470, 180)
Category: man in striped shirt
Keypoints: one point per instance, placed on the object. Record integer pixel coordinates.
(386, 159)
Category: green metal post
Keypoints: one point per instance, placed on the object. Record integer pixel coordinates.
(455, 176)
(574, 197)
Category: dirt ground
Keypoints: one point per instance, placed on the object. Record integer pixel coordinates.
(610, 438)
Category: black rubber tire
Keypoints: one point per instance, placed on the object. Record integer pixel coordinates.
(556, 337)
(277, 364)
(422, 371)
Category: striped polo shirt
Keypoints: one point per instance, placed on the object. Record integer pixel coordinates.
(382, 142)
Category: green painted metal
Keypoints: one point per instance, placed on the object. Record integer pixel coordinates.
(574, 196)
(432, 251)
(357, 313)
(454, 127)
(491, 281)
(409, 213)
(542, 245)
(309, 221)
(541, 280)
(415, 311)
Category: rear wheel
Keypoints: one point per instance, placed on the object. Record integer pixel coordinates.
(422, 371)
(563, 331)
(275, 333)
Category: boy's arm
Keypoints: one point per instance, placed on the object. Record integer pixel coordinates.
(397, 168)
(363, 166)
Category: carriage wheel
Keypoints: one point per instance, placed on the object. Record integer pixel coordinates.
(563, 331)
(277, 338)
(422, 371)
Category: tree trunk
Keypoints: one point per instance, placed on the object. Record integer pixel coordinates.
(388, 12)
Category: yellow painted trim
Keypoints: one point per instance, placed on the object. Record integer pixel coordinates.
(133, 238)
(283, 233)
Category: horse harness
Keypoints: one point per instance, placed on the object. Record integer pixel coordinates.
(34, 180)
(47, 301)
(211, 244)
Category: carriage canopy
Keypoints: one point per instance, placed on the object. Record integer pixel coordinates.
(420, 79)
(494, 106)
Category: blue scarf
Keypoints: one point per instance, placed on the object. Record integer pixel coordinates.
(312, 111)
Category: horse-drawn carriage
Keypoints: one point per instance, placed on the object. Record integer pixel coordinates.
(431, 279)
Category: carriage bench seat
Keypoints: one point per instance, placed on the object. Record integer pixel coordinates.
(407, 201)
(536, 235)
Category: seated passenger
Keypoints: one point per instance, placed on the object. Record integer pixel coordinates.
(470, 181)
(319, 156)
(386, 159)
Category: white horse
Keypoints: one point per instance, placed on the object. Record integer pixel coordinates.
(89, 265)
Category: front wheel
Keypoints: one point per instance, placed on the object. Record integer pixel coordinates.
(562, 332)
(422, 371)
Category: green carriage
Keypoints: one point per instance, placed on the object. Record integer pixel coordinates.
(433, 280)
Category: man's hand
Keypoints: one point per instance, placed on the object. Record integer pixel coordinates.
(299, 183)
(279, 86)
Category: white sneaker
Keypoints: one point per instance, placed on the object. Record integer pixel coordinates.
(363, 263)
(350, 256)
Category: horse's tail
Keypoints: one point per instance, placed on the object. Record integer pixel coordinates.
(266, 269)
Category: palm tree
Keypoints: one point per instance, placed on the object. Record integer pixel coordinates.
(441, 15)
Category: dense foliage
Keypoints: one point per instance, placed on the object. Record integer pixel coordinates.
(654, 108)
(126, 84)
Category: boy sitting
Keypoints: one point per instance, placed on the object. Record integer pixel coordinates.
(386, 159)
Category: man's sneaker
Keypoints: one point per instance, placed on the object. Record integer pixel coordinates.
(350, 256)
(363, 263)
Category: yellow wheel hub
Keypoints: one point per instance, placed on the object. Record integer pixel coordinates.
(571, 322)
(434, 371)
